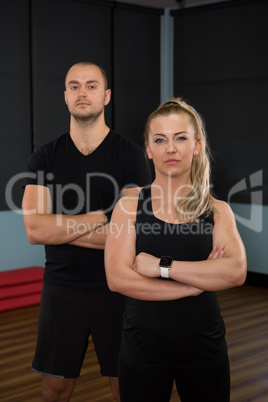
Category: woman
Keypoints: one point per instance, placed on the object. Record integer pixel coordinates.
(169, 250)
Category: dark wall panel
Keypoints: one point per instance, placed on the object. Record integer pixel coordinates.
(221, 67)
(65, 32)
(136, 68)
(15, 110)
(41, 41)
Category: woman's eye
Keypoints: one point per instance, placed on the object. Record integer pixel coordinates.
(181, 138)
(159, 140)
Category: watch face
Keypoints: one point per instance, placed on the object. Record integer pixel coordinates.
(166, 261)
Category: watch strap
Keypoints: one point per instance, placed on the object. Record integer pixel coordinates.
(164, 272)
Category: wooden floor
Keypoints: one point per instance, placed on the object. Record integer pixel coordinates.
(245, 311)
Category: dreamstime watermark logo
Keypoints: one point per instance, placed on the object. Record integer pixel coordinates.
(58, 192)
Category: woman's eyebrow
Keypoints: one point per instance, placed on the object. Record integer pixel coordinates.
(180, 132)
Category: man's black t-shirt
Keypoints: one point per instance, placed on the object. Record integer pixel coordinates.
(80, 184)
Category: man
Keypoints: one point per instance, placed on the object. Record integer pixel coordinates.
(74, 182)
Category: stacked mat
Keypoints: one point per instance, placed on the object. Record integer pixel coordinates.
(20, 287)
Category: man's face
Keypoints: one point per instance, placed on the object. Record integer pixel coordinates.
(85, 93)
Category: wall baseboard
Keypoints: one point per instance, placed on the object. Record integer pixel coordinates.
(256, 279)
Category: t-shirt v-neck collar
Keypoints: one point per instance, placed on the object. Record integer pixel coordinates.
(91, 153)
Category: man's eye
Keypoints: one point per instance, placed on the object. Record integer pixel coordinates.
(74, 87)
(92, 86)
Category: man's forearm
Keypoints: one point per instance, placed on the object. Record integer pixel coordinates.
(51, 229)
(95, 239)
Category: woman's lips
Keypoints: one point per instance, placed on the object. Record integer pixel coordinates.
(171, 161)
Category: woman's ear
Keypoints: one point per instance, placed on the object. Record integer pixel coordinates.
(197, 146)
(147, 149)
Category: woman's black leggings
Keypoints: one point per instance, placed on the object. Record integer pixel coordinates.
(193, 385)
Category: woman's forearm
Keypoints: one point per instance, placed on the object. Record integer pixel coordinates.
(126, 281)
(212, 275)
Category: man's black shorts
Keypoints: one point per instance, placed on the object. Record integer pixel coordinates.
(67, 318)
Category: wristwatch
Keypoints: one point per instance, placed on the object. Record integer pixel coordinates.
(165, 265)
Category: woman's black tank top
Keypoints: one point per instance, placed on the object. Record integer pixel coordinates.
(181, 333)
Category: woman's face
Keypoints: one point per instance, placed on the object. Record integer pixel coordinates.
(172, 145)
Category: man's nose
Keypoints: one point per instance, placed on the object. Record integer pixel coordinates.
(82, 91)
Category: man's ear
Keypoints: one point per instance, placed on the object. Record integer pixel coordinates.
(65, 98)
(108, 93)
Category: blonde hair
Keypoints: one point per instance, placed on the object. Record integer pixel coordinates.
(198, 200)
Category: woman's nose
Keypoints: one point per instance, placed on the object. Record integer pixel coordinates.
(170, 147)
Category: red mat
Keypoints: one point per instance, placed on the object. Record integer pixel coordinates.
(20, 287)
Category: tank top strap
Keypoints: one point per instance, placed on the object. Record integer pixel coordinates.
(144, 201)
(207, 218)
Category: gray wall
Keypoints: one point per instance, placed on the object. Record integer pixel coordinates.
(252, 219)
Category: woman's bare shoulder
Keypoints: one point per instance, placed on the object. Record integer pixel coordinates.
(222, 209)
(127, 205)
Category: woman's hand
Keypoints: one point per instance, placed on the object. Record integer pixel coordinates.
(216, 252)
(146, 265)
